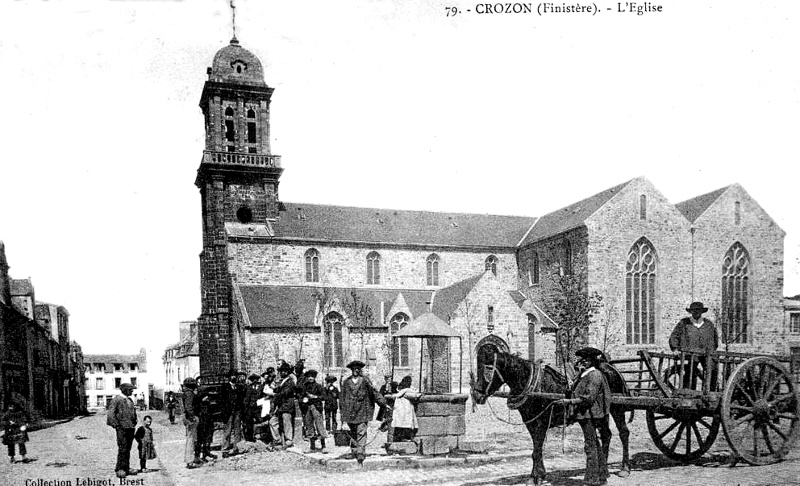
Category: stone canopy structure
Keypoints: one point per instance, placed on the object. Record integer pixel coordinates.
(283, 280)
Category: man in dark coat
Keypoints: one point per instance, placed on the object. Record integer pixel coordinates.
(122, 417)
(311, 407)
(250, 407)
(205, 426)
(331, 403)
(191, 406)
(697, 335)
(592, 400)
(358, 400)
(171, 404)
(232, 400)
(283, 406)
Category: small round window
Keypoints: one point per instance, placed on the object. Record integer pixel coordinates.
(244, 215)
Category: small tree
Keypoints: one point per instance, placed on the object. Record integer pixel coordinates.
(726, 334)
(360, 315)
(573, 307)
(469, 311)
(324, 300)
(297, 330)
(610, 329)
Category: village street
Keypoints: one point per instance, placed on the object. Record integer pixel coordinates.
(84, 449)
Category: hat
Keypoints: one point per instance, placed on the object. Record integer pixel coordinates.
(233, 372)
(310, 374)
(190, 382)
(356, 364)
(285, 367)
(696, 306)
(589, 353)
(254, 377)
(330, 379)
(126, 385)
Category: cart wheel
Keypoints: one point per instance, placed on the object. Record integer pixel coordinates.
(761, 411)
(682, 435)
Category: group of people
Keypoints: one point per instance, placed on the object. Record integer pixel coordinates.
(264, 407)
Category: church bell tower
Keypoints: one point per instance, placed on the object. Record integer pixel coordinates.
(238, 181)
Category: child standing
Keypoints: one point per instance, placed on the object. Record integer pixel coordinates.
(15, 425)
(144, 437)
(404, 419)
(311, 405)
(331, 403)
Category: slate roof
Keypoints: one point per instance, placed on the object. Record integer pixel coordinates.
(446, 300)
(570, 217)
(110, 359)
(382, 226)
(22, 286)
(694, 207)
(271, 306)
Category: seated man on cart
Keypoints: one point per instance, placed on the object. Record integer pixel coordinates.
(696, 335)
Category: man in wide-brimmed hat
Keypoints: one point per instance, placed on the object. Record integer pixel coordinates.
(250, 407)
(232, 399)
(591, 398)
(311, 404)
(283, 406)
(358, 398)
(122, 417)
(697, 335)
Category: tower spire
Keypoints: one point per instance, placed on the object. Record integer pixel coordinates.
(233, 22)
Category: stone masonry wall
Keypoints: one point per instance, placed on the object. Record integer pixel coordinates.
(613, 230)
(715, 232)
(277, 263)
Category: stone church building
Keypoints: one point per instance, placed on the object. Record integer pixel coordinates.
(284, 280)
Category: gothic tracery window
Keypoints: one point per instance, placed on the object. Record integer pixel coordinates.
(432, 267)
(640, 293)
(399, 345)
(735, 294)
(332, 330)
(312, 265)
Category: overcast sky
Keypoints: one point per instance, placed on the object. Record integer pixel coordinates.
(388, 104)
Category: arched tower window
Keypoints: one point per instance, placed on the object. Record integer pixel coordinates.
(400, 345)
(333, 326)
(640, 293)
(532, 323)
(251, 131)
(432, 266)
(230, 130)
(491, 264)
(312, 265)
(735, 294)
(373, 268)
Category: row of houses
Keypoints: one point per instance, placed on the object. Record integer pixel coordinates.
(106, 372)
(40, 367)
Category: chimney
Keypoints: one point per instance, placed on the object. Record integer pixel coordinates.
(185, 329)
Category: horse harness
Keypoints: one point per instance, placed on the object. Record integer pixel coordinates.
(534, 378)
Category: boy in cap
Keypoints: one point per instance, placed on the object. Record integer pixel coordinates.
(698, 335)
(331, 406)
(250, 407)
(359, 397)
(592, 400)
(311, 405)
(191, 406)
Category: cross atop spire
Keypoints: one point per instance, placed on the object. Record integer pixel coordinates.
(233, 23)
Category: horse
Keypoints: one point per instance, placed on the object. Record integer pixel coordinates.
(539, 413)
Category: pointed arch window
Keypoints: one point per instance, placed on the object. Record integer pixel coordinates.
(432, 267)
(491, 264)
(333, 326)
(566, 258)
(640, 293)
(400, 345)
(373, 268)
(312, 265)
(736, 294)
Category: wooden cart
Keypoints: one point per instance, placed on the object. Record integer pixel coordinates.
(687, 397)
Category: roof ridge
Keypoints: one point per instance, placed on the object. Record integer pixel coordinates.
(388, 210)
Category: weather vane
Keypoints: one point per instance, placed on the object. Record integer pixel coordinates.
(233, 19)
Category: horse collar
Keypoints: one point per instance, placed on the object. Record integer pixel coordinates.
(534, 377)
